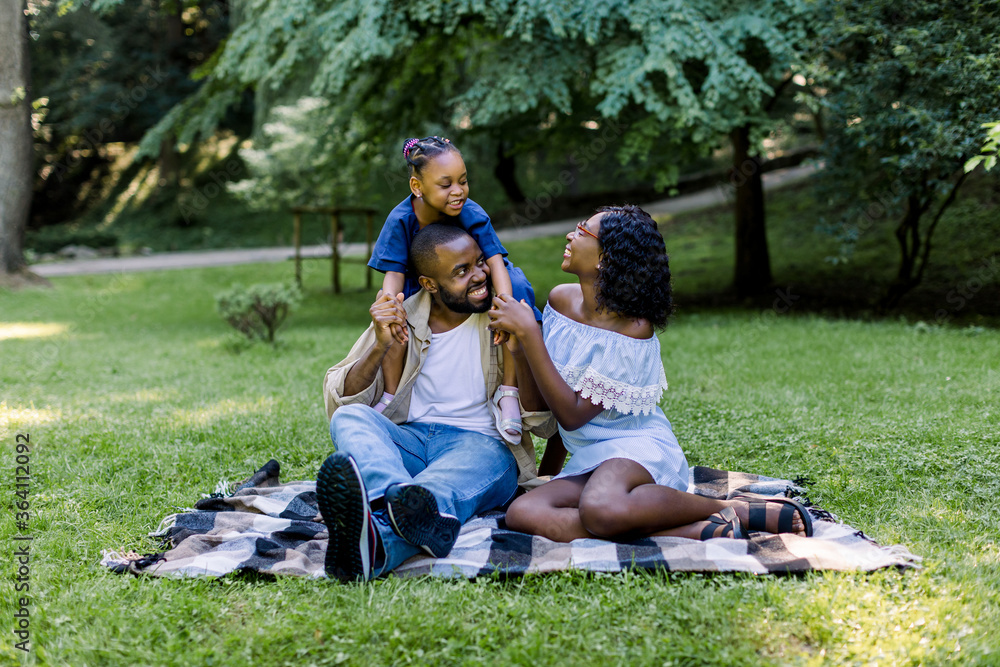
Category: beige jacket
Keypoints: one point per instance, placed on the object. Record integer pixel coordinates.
(418, 308)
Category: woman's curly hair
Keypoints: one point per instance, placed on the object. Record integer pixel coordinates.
(634, 275)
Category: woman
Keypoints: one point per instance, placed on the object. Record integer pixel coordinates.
(597, 363)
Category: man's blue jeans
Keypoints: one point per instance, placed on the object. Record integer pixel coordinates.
(466, 471)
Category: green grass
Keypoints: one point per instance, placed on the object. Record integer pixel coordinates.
(137, 401)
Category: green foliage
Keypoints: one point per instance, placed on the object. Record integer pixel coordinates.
(296, 161)
(102, 75)
(52, 239)
(909, 87)
(990, 149)
(259, 310)
(108, 72)
(675, 74)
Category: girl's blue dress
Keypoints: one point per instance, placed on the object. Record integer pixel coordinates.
(625, 376)
(392, 249)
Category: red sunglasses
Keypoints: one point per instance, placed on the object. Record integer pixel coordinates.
(583, 230)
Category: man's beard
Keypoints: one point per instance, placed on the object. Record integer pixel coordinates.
(461, 304)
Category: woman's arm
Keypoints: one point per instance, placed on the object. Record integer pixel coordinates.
(570, 409)
(554, 456)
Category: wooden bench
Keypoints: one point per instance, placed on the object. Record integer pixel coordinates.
(335, 214)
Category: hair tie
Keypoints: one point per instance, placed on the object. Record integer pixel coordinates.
(408, 145)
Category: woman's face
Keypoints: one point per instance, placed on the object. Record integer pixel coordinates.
(583, 252)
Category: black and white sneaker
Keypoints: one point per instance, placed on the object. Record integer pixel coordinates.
(341, 496)
(413, 513)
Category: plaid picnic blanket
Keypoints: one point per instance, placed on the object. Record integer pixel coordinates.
(266, 526)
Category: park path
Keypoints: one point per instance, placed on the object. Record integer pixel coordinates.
(205, 258)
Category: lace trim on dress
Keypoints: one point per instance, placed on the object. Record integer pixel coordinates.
(612, 394)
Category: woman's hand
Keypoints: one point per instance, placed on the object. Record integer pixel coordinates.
(513, 344)
(518, 318)
(500, 337)
(509, 315)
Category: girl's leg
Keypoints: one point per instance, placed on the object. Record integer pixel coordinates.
(392, 369)
(621, 501)
(510, 408)
(550, 510)
(392, 373)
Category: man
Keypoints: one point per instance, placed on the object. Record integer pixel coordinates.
(406, 479)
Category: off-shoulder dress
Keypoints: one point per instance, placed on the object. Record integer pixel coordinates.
(625, 376)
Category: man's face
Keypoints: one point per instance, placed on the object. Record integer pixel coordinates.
(462, 277)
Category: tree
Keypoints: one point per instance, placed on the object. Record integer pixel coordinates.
(15, 143)
(752, 268)
(649, 81)
(104, 73)
(289, 166)
(910, 87)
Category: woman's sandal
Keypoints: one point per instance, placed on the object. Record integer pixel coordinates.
(504, 424)
(757, 517)
(724, 517)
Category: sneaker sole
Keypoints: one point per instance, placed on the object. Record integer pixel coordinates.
(413, 513)
(341, 496)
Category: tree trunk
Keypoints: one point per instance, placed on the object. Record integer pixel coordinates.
(174, 30)
(505, 171)
(753, 263)
(914, 250)
(15, 142)
(167, 162)
(908, 238)
(819, 125)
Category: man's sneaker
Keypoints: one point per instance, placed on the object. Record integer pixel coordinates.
(341, 496)
(413, 513)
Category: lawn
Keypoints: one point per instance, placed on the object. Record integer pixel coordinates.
(137, 401)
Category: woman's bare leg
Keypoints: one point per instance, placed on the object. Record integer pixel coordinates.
(554, 509)
(621, 501)
(551, 510)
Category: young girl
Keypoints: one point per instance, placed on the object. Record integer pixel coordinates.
(597, 364)
(439, 192)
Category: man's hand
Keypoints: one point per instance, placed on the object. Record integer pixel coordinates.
(389, 318)
(509, 315)
(387, 312)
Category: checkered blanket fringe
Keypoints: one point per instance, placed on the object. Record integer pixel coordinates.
(269, 527)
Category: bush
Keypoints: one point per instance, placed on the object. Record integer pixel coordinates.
(55, 237)
(258, 310)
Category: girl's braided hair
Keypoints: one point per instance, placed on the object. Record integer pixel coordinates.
(418, 152)
(634, 277)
